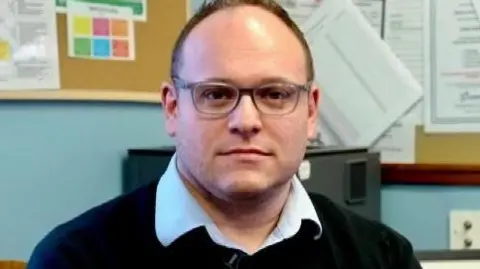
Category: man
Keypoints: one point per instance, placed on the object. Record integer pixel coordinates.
(241, 108)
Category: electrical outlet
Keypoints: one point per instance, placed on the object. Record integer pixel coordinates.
(464, 229)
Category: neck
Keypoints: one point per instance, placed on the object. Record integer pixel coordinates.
(248, 221)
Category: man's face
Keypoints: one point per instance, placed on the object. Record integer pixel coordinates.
(245, 152)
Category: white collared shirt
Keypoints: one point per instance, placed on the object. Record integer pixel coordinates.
(177, 212)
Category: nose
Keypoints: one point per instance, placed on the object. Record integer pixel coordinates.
(245, 118)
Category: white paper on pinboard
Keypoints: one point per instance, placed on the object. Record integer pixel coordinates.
(373, 12)
(28, 46)
(398, 144)
(301, 10)
(366, 88)
(452, 99)
(404, 33)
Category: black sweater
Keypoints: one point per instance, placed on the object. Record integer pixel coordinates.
(121, 234)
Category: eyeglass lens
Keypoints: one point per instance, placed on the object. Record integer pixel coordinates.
(270, 99)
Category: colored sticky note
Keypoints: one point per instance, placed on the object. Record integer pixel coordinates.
(101, 48)
(82, 25)
(121, 48)
(5, 50)
(101, 27)
(119, 28)
(82, 46)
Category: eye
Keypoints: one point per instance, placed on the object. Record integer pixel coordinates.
(217, 93)
(275, 92)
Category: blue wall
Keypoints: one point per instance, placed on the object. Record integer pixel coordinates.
(421, 212)
(59, 159)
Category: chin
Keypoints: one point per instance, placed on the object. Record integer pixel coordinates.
(245, 183)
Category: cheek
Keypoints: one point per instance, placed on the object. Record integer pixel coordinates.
(190, 129)
(291, 137)
(195, 146)
(290, 131)
(198, 136)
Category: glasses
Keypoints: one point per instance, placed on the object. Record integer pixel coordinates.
(218, 98)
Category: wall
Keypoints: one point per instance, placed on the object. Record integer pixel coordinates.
(58, 159)
(421, 212)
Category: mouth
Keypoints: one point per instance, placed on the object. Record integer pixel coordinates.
(246, 151)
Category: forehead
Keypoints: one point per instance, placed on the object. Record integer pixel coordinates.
(243, 44)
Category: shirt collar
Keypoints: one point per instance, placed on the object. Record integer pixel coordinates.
(177, 212)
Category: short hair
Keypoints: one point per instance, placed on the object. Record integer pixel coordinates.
(210, 7)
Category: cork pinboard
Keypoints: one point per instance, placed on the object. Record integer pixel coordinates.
(447, 148)
(154, 42)
(137, 80)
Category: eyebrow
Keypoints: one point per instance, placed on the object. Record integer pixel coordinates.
(261, 81)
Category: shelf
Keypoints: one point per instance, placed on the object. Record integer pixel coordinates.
(431, 174)
(81, 95)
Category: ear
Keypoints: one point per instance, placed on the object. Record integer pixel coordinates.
(313, 106)
(170, 107)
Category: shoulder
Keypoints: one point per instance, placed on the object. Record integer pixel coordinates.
(374, 240)
(97, 230)
(337, 217)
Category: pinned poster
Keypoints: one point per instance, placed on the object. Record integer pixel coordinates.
(100, 32)
(138, 7)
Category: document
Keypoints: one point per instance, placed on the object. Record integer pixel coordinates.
(476, 5)
(28, 45)
(100, 32)
(404, 32)
(397, 145)
(301, 10)
(452, 100)
(373, 12)
(366, 88)
(138, 7)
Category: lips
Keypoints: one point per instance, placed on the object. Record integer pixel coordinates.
(241, 151)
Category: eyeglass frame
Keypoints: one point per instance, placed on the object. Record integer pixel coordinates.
(180, 83)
